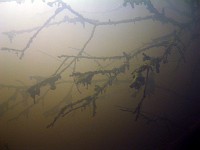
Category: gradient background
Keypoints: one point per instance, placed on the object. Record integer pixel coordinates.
(177, 96)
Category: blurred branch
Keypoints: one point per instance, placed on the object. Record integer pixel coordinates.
(140, 75)
(18, 91)
(82, 103)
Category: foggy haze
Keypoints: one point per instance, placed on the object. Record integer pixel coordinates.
(99, 74)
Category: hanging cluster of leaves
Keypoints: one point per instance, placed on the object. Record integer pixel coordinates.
(149, 6)
(149, 64)
(83, 78)
(154, 62)
(138, 80)
(86, 78)
(84, 102)
(35, 89)
(121, 69)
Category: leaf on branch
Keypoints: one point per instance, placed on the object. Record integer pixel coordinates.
(153, 62)
(83, 78)
(138, 81)
(35, 89)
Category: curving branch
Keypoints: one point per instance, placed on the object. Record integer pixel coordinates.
(169, 43)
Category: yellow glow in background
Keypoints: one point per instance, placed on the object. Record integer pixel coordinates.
(110, 128)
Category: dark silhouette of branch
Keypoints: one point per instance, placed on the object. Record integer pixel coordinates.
(92, 57)
(145, 115)
(82, 103)
(169, 43)
(157, 16)
(18, 91)
(42, 27)
(60, 9)
(27, 110)
(81, 51)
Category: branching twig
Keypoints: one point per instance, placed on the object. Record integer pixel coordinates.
(167, 43)
(82, 103)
